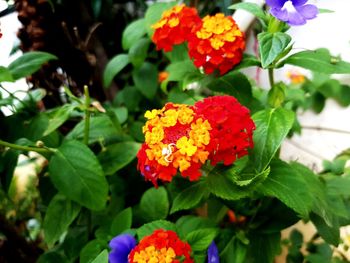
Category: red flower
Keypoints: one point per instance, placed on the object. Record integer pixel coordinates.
(232, 128)
(163, 246)
(174, 27)
(216, 44)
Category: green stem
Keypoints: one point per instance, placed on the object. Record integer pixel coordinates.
(13, 96)
(87, 115)
(27, 148)
(271, 78)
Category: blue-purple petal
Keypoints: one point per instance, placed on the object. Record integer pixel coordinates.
(276, 3)
(296, 19)
(213, 253)
(280, 14)
(294, 15)
(121, 247)
(307, 11)
(298, 2)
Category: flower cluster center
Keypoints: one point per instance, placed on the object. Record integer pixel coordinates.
(152, 255)
(173, 135)
(218, 29)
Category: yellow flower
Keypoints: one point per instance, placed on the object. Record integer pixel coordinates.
(155, 136)
(152, 255)
(186, 146)
(200, 132)
(185, 115)
(151, 114)
(170, 118)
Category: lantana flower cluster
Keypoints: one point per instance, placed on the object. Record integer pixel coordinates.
(183, 138)
(163, 246)
(214, 42)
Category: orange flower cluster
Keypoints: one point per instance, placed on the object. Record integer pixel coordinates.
(181, 137)
(163, 246)
(215, 42)
(174, 27)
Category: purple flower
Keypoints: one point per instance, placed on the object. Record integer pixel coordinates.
(121, 246)
(213, 253)
(293, 12)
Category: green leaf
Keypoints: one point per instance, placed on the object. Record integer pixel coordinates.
(190, 197)
(52, 257)
(146, 85)
(5, 75)
(319, 60)
(116, 156)
(235, 251)
(91, 251)
(271, 45)
(264, 248)
(76, 172)
(324, 11)
(251, 8)
(57, 117)
(154, 204)
(113, 67)
(200, 239)
(189, 223)
(317, 189)
(8, 163)
(102, 257)
(179, 53)
(288, 186)
(178, 70)
(248, 61)
(29, 63)
(220, 185)
(154, 13)
(235, 84)
(272, 126)
(132, 33)
(121, 222)
(75, 240)
(276, 95)
(330, 234)
(147, 229)
(101, 128)
(138, 52)
(60, 213)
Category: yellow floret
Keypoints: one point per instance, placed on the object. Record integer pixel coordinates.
(186, 146)
(155, 136)
(173, 22)
(152, 255)
(170, 118)
(185, 115)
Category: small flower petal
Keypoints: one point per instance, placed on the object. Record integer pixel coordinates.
(299, 2)
(121, 246)
(280, 14)
(307, 11)
(213, 253)
(296, 19)
(276, 3)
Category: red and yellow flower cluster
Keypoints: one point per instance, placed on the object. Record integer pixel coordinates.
(217, 44)
(182, 137)
(214, 42)
(174, 27)
(163, 246)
